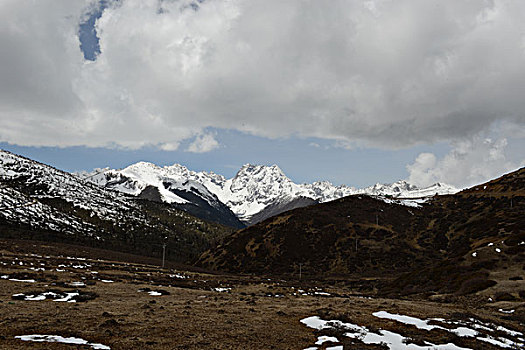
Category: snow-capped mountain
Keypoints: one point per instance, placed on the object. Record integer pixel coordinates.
(135, 178)
(402, 189)
(40, 202)
(174, 184)
(255, 193)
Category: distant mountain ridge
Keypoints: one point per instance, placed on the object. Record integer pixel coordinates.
(175, 185)
(39, 201)
(255, 193)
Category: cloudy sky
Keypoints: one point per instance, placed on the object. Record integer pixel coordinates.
(354, 92)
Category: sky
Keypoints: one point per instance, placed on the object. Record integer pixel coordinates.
(353, 92)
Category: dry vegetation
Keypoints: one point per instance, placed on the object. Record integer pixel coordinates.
(200, 310)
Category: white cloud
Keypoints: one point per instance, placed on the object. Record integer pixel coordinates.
(39, 59)
(469, 162)
(381, 73)
(169, 146)
(203, 143)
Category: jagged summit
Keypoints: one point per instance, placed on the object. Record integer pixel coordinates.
(253, 194)
(255, 169)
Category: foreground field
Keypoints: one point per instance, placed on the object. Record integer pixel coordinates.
(121, 301)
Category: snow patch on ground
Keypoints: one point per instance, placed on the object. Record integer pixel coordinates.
(155, 293)
(424, 324)
(77, 284)
(59, 339)
(421, 324)
(68, 298)
(485, 332)
(324, 338)
(393, 340)
(473, 330)
(47, 295)
(26, 281)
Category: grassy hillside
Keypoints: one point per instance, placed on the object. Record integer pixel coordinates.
(450, 244)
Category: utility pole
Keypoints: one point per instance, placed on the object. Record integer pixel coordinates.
(163, 253)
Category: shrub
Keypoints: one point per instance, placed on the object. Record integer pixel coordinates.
(475, 285)
(504, 296)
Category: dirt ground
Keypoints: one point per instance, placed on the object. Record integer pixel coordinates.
(198, 310)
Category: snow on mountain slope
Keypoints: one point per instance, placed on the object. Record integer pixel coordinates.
(255, 187)
(175, 184)
(43, 197)
(15, 207)
(44, 182)
(403, 189)
(136, 177)
(250, 192)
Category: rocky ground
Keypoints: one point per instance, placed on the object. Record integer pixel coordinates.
(122, 301)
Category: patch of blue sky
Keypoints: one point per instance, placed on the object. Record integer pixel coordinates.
(87, 35)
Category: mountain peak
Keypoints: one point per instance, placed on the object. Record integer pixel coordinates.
(256, 170)
(177, 167)
(142, 165)
(254, 189)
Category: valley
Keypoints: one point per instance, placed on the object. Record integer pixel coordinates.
(133, 303)
(86, 265)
